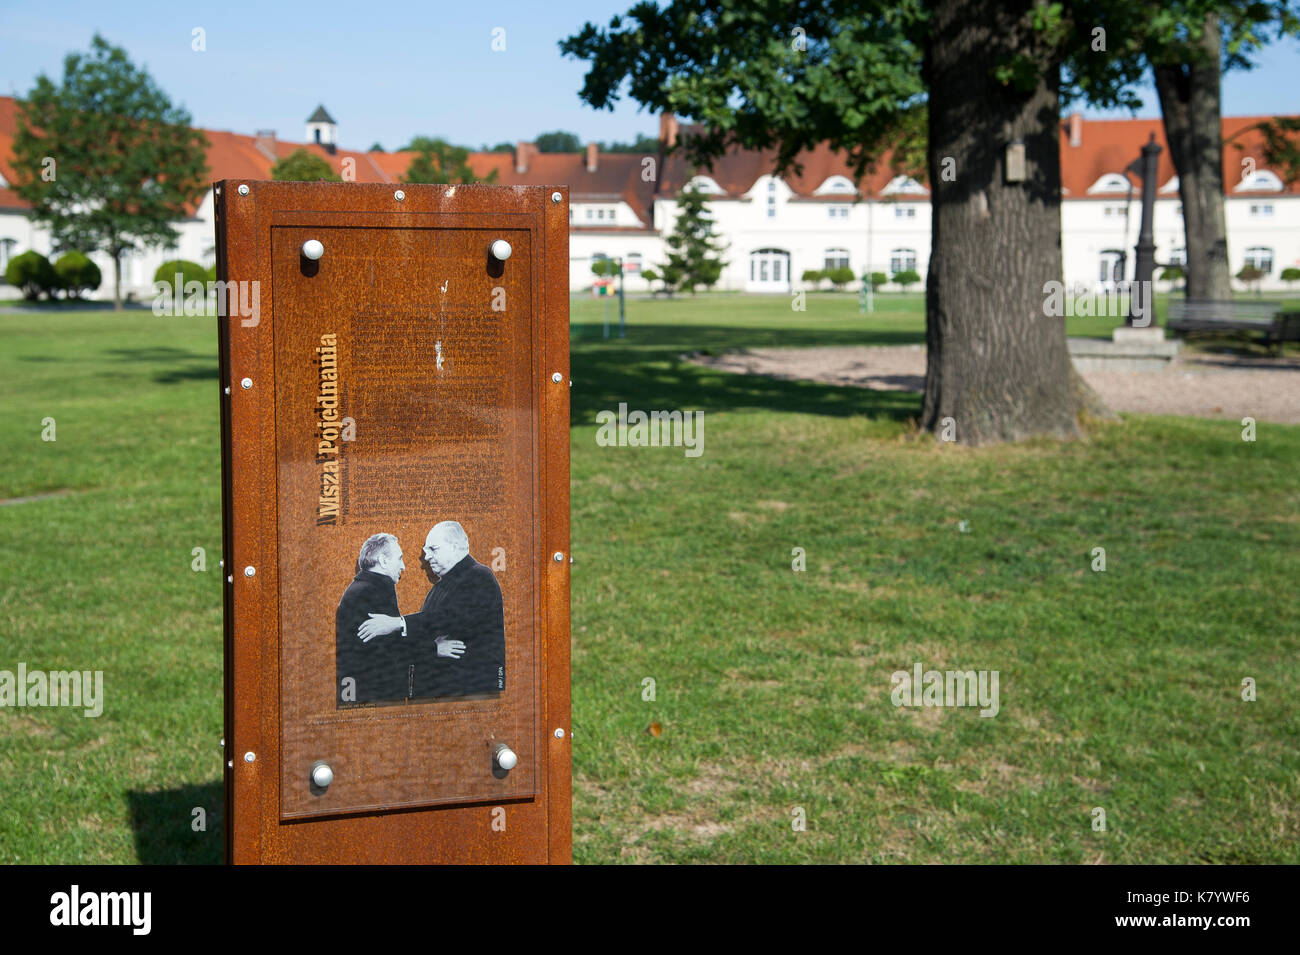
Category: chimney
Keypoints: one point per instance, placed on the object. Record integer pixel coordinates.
(523, 152)
(592, 151)
(667, 130)
(265, 143)
(1076, 129)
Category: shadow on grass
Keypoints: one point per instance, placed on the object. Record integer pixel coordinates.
(641, 371)
(163, 822)
(688, 337)
(186, 365)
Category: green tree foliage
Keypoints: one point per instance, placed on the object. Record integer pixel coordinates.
(813, 276)
(1290, 275)
(77, 275)
(437, 160)
(642, 144)
(603, 267)
(105, 159)
(32, 274)
(906, 277)
(1281, 149)
(558, 141)
(302, 165)
(188, 271)
(1172, 273)
(693, 246)
(842, 276)
(876, 279)
(1250, 274)
(500, 148)
(377, 147)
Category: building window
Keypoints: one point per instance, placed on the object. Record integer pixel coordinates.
(1261, 258)
(1110, 269)
(838, 212)
(6, 253)
(837, 258)
(632, 262)
(1261, 209)
(904, 212)
(902, 260)
(1178, 257)
(1113, 211)
(769, 270)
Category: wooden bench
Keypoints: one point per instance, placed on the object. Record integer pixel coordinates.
(1266, 319)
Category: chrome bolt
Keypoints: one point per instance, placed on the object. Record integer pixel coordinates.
(243, 190)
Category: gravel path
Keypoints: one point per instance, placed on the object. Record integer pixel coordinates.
(1194, 383)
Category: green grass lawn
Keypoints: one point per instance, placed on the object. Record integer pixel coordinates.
(1119, 690)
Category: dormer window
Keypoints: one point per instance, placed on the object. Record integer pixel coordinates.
(705, 184)
(1261, 180)
(904, 185)
(1111, 182)
(835, 185)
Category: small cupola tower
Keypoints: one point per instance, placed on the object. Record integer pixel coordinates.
(322, 129)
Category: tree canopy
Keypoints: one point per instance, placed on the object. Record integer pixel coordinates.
(104, 157)
(558, 141)
(437, 160)
(302, 165)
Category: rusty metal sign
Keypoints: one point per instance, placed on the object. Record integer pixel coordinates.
(395, 417)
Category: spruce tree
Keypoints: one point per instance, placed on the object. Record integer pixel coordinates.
(693, 246)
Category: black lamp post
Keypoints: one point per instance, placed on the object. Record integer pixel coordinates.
(1141, 308)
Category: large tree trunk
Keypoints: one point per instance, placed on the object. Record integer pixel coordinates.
(1189, 100)
(996, 363)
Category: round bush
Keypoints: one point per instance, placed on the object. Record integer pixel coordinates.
(32, 274)
(77, 274)
(190, 272)
(841, 276)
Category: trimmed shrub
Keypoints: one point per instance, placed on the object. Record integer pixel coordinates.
(77, 274)
(876, 279)
(1290, 274)
(906, 277)
(813, 276)
(32, 274)
(840, 277)
(190, 272)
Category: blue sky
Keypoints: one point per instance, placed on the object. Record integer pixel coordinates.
(388, 72)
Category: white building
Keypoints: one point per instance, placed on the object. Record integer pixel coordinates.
(775, 227)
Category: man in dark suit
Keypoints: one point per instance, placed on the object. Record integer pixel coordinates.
(463, 612)
(378, 669)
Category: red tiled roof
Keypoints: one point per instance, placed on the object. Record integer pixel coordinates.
(1107, 146)
(237, 156)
